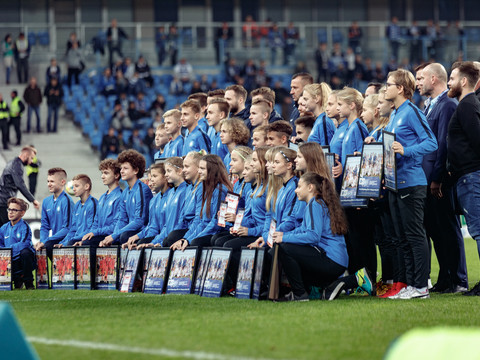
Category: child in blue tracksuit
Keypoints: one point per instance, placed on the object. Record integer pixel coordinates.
(314, 254)
(17, 235)
(135, 201)
(196, 139)
(108, 204)
(157, 210)
(216, 184)
(315, 97)
(56, 212)
(84, 211)
(173, 127)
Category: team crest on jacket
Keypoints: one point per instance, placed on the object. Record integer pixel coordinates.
(58, 208)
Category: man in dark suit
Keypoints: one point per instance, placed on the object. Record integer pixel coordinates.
(441, 222)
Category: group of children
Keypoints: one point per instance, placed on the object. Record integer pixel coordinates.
(287, 189)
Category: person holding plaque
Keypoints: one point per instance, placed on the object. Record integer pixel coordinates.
(315, 253)
(16, 234)
(216, 184)
(414, 139)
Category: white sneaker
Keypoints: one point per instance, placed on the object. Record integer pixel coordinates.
(415, 293)
(429, 284)
(397, 295)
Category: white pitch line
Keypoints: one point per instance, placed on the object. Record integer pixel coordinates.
(70, 298)
(197, 355)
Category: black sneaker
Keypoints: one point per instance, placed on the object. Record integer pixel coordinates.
(332, 291)
(475, 291)
(29, 285)
(292, 297)
(18, 285)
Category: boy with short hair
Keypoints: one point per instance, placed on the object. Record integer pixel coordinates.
(196, 139)
(16, 234)
(265, 93)
(259, 112)
(278, 133)
(161, 140)
(304, 126)
(173, 128)
(108, 205)
(259, 136)
(84, 211)
(202, 99)
(134, 204)
(217, 110)
(56, 211)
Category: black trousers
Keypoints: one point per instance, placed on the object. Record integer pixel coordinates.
(23, 266)
(203, 241)
(443, 227)
(49, 246)
(32, 182)
(124, 237)
(235, 243)
(15, 122)
(4, 129)
(22, 69)
(407, 209)
(306, 265)
(173, 237)
(386, 245)
(73, 73)
(221, 238)
(146, 240)
(360, 240)
(94, 241)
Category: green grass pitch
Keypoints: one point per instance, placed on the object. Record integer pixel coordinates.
(127, 326)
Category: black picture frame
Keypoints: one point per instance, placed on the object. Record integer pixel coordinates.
(348, 192)
(182, 271)
(216, 272)
(157, 273)
(147, 252)
(390, 161)
(259, 273)
(330, 160)
(106, 268)
(121, 263)
(63, 268)
(202, 270)
(6, 269)
(371, 169)
(246, 272)
(326, 148)
(83, 271)
(41, 274)
(131, 270)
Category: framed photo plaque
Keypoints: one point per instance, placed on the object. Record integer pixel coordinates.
(246, 270)
(371, 166)
(390, 161)
(83, 278)
(42, 269)
(5, 269)
(182, 271)
(106, 274)
(131, 269)
(157, 272)
(202, 270)
(63, 268)
(216, 272)
(348, 193)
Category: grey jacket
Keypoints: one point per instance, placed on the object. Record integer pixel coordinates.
(12, 180)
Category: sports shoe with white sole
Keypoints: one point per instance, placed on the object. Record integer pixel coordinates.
(397, 295)
(415, 293)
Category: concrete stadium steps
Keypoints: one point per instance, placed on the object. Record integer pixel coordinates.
(67, 149)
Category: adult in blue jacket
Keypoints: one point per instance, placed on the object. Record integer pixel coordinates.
(56, 211)
(314, 254)
(414, 139)
(17, 235)
(135, 201)
(441, 223)
(84, 211)
(108, 204)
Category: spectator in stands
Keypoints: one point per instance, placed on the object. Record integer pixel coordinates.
(275, 42)
(176, 87)
(123, 99)
(54, 94)
(262, 79)
(414, 34)
(75, 64)
(53, 71)
(110, 144)
(161, 44)
(120, 118)
(394, 35)
(143, 70)
(133, 113)
(204, 85)
(249, 73)
(22, 53)
(232, 71)
(184, 71)
(107, 83)
(291, 36)
(136, 85)
(355, 37)
(250, 32)
(322, 58)
(337, 57)
(115, 36)
(158, 106)
(222, 38)
(141, 105)
(33, 98)
(72, 39)
(129, 69)
(173, 40)
(196, 87)
(121, 84)
(7, 50)
(136, 143)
